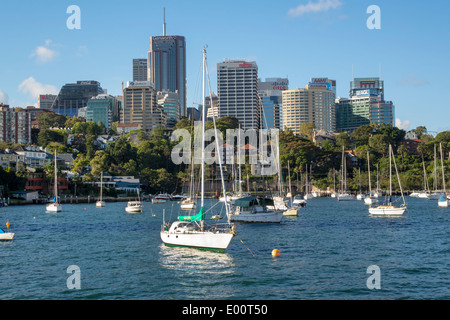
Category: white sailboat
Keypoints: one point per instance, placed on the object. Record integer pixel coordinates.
(292, 211)
(370, 198)
(55, 206)
(389, 210)
(344, 195)
(100, 203)
(443, 201)
(191, 231)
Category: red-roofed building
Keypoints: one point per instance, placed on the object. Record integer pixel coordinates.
(411, 145)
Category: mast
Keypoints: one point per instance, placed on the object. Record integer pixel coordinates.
(101, 186)
(368, 169)
(442, 166)
(390, 171)
(56, 180)
(202, 201)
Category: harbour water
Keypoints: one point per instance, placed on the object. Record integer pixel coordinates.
(325, 254)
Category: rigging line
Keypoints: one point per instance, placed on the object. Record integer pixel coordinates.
(244, 244)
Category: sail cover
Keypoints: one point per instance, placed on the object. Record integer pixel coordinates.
(198, 217)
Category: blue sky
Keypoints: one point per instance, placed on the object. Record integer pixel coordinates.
(38, 53)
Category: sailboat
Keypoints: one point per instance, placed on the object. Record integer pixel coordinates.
(100, 203)
(370, 198)
(191, 231)
(293, 210)
(436, 194)
(55, 206)
(389, 210)
(442, 202)
(344, 195)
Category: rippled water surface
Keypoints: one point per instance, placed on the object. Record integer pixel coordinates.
(325, 253)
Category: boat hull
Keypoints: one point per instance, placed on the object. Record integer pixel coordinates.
(53, 207)
(7, 236)
(100, 204)
(263, 217)
(188, 206)
(199, 240)
(292, 212)
(387, 211)
(443, 203)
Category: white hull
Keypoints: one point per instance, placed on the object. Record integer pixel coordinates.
(345, 197)
(180, 236)
(260, 217)
(387, 211)
(370, 200)
(443, 203)
(188, 206)
(158, 201)
(434, 196)
(359, 197)
(7, 236)
(53, 207)
(100, 204)
(292, 212)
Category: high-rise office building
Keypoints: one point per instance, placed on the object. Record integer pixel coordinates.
(103, 108)
(166, 63)
(46, 101)
(366, 105)
(314, 104)
(170, 104)
(140, 70)
(271, 93)
(74, 96)
(140, 106)
(237, 89)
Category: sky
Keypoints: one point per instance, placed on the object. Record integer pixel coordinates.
(298, 39)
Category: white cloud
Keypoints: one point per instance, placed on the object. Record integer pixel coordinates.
(412, 80)
(321, 5)
(3, 97)
(44, 53)
(404, 125)
(33, 88)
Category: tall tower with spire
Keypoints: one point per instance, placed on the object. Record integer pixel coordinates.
(166, 63)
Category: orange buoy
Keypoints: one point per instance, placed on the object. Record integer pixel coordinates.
(276, 253)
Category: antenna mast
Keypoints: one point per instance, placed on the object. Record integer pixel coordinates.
(164, 23)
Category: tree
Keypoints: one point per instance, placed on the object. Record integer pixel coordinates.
(51, 120)
(307, 130)
(379, 144)
(343, 139)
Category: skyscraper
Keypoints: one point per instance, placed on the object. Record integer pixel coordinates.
(237, 88)
(365, 105)
(103, 108)
(74, 96)
(271, 93)
(140, 70)
(140, 106)
(314, 104)
(166, 63)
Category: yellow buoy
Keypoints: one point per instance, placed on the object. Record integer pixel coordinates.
(276, 253)
(7, 224)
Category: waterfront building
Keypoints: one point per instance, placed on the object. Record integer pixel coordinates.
(15, 125)
(237, 88)
(140, 70)
(103, 108)
(314, 104)
(74, 96)
(166, 65)
(140, 106)
(271, 94)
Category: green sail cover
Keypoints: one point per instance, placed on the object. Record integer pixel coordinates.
(198, 217)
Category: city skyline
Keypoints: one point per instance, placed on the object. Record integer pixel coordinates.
(297, 39)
